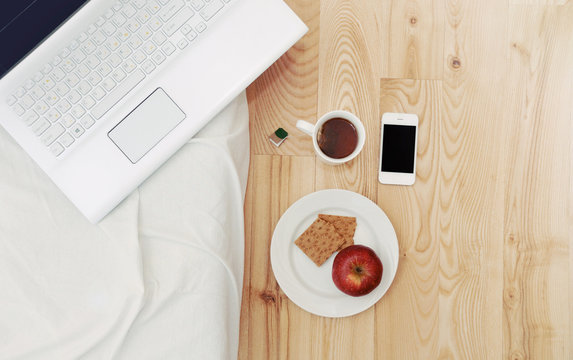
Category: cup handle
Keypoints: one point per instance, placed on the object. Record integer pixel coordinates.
(305, 127)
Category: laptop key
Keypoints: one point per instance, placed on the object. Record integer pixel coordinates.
(83, 37)
(178, 20)
(168, 48)
(84, 88)
(98, 93)
(47, 68)
(171, 9)
(116, 95)
(94, 78)
(201, 27)
(72, 80)
(63, 106)
(40, 126)
(11, 100)
(114, 60)
(135, 42)
(52, 98)
(139, 56)
(139, 3)
(129, 65)
(128, 11)
(191, 36)
(68, 65)
(67, 139)
(57, 149)
(159, 38)
(29, 84)
(48, 83)
(27, 101)
(148, 66)
(68, 120)
(88, 102)
(99, 38)
(149, 47)
(75, 96)
(87, 121)
(182, 43)
(37, 92)
(158, 57)
(58, 74)
(77, 130)
(62, 89)
(211, 9)
(197, 4)
(52, 134)
(30, 117)
(118, 75)
(78, 111)
(21, 91)
(41, 107)
(108, 84)
(144, 16)
(53, 115)
(154, 7)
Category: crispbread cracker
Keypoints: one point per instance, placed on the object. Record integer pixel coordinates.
(344, 225)
(319, 241)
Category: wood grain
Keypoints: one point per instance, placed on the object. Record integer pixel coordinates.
(407, 319)
(538, 2)
(348, 80)
(485, 234)
(267, 325)
(411, 39)
(287, 91)
(536, 261)
(471, 180)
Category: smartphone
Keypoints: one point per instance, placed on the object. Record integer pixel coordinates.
(398, 146)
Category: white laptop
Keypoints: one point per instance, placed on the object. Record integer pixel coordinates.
(100, 93)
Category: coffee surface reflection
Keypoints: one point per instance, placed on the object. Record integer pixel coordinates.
(337, 138)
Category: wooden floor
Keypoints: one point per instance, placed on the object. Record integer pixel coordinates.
(485, 234)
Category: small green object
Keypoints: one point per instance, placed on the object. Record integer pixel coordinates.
(278, 136)
(281, 133)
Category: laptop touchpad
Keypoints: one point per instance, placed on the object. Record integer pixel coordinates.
(146, 125)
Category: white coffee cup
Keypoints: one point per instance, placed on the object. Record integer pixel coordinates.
(312, 130)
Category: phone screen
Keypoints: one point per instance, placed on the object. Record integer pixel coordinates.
(398, 146)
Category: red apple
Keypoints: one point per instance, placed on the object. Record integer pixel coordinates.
(356, 270)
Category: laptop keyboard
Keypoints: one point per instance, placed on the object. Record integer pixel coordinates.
(132, 39)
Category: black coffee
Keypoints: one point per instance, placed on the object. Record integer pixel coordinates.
(337, 138)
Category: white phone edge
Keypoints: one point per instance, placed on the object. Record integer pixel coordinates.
(392, 178)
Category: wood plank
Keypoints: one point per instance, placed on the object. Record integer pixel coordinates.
(269, 321)
(349, 80)
(570, 294)
(486, 231)
(472, 180)
(287, 91)
(537, 214)
(407, 317)
(412, 39)
(538, 2)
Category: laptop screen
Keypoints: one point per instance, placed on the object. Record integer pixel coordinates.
(24, 24)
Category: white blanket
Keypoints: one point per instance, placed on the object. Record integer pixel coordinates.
(159, 278)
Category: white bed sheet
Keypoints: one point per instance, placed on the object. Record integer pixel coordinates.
(159, 278)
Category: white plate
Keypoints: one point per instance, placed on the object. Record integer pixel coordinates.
(311, 287)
